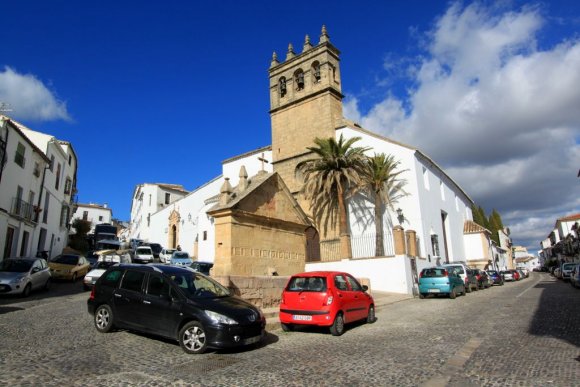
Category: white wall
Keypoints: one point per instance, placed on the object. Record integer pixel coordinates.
(391, 274)
(95, 214)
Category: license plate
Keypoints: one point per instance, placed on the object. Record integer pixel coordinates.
(301, 317)
(434, 291)
(252, 340)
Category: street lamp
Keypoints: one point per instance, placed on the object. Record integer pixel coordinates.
(400, 216)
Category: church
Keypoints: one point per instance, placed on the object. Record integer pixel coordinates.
(252, 220)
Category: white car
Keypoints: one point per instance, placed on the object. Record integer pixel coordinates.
(165, 255)
(143, 254)
(106, 258)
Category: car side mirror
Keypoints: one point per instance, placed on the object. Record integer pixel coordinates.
(365, 288)
(35, 270)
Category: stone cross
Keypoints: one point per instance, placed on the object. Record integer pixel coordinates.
(263, 160)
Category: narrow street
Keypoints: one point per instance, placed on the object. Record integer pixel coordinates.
(521, 334)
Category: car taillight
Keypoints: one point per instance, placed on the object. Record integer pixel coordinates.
(329, 299)
(92, 296)
(445, 273)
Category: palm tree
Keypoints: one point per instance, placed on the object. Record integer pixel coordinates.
(382, 181)
(330, 177)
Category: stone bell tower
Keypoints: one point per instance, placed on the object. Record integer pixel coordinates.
(305, 103)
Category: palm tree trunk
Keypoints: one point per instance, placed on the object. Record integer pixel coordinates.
(345, 247)
(379, 245)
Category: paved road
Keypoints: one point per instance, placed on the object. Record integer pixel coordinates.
(522, 334)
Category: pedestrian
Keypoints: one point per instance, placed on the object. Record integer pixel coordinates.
(178, 248)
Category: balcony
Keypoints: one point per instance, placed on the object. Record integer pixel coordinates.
(24, 210)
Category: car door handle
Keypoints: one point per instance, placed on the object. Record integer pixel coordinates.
(118, 295)
(146, 302)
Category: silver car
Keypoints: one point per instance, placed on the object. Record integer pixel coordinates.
(23, 275)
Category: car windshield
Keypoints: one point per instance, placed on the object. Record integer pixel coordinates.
(15, 265)
(307, 284)
(457, 269)
(434, 272)
(492, 272)
(506, 272)
(144, 251)
(67, 259)
(180, 255)
(104, 265)
(568, 266)
(168, 251)
(196, 285)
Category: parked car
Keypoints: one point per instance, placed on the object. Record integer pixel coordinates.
(202, 267)
(440, 281)
(156, 248)
(23, 275)
(525, 271)
(465, 273)
(557, 272)
(106, 259)
(521, 274)
(575, 276)
(69, 267)
(165, 255)
(95, 273)
(174, 302)
(181, 258)
(143, 254)
(507, 275)
(483, 281)
(325, 298)
(496, 277)
(93, 258)
(567, 270)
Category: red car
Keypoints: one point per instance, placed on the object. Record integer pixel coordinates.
(325, 298)
(516, 275)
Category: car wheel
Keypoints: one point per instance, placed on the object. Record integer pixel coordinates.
(47, 285)
(463, 291)
(192, 338)
(337, 327)
(452, 295)
(476, 288)
(74, 277)
(371, 318)
(104, 318)
(421, 295)
(26, 291)
(286, 327)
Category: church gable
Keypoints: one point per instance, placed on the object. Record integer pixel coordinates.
(272, 200)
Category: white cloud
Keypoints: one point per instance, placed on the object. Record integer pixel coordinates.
(29, 98)
(508, 110)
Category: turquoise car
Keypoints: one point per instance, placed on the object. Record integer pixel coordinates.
(440, 281)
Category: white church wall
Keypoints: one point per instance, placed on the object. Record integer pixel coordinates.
(391, 274)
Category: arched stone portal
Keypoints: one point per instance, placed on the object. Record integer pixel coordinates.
(173, 234)
(312, 245)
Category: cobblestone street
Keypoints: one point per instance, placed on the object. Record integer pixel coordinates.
(521, 334)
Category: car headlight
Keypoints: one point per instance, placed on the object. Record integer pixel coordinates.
(17, 280)
(88, 279)
(220, 318)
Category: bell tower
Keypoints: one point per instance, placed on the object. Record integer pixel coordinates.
(305, 103)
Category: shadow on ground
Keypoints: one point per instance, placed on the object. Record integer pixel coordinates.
(557, 314)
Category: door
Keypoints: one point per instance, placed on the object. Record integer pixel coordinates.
(8, 243)
(360, 300)
(159, 310)
(346, 299)
(128, 298)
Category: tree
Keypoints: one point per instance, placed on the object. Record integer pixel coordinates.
(381, 180)
(78, 241)
(330, 178)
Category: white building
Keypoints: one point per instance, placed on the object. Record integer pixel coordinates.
(148, 198)
(94, 213)
(41, 171)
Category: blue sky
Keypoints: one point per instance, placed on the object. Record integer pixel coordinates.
(164, 91)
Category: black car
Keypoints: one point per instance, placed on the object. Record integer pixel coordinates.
(174, 302)
(202, 267)
(156, 248)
